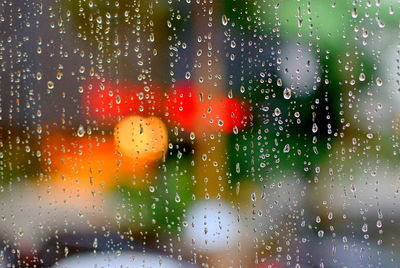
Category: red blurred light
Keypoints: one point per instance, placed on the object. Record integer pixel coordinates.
(109, 102)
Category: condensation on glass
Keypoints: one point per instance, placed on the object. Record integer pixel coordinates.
(199, 133)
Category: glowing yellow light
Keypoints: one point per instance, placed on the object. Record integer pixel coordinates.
(144, 139)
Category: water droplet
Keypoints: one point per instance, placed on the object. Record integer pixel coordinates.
(379, 81)
(95, 244)
(287, 93)
(237, 167)
(354, 13)
(381, 24)
(82, 69)
(361, 77)
(224, 20)
(235, 130)
(330, 216)
(391, 10)
(81, 131)
(314, 128)
(286, 149)
(320, 233)
(177, 198)
(50, 84)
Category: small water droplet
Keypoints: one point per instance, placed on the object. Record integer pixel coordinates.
(320, 233)
(50, 85)
(354, 13)
(235, 130)
(381, 24)
(379, 81)
(365, 228)
(314, 128)
(81, 131)
(224, 20)
(237, 167)
(287, 93)
(177, 198)
(286, 149)
(95, 243)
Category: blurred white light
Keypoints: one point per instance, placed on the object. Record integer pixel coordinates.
(379, 109)
(391, 71)
(299, 69)
(212, 226)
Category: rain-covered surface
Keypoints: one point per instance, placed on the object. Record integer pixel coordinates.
(199, 133)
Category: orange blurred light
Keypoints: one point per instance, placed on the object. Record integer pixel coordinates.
(92, 161)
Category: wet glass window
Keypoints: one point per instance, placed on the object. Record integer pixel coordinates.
(199, 133)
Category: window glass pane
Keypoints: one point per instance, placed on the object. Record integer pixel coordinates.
(199, 133)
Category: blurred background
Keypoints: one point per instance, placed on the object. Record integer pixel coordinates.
(199, 133)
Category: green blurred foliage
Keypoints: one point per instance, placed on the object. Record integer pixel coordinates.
(174, 193)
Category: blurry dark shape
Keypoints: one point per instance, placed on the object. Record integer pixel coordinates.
(104, 248)
(103, 21)
(343, 251)
(63, 245)
(9, 256)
